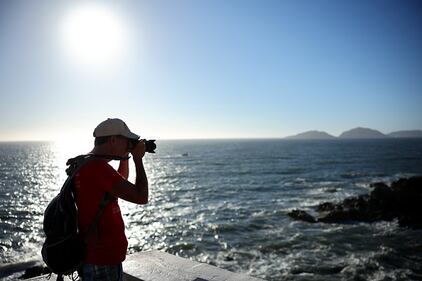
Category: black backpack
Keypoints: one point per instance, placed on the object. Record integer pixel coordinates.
(64, 248)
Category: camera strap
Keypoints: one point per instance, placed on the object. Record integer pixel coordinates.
(110, 157)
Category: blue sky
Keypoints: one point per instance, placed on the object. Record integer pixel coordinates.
(214, 69)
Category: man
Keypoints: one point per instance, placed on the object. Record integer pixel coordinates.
(107, 246)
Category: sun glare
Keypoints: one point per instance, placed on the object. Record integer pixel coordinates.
(93, 36)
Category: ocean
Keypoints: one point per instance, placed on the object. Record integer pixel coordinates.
(224, 202)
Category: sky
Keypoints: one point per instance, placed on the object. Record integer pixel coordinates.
(210, 68)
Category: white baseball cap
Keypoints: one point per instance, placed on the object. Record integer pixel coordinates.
(114, 127)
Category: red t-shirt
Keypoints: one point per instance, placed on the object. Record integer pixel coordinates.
(108, 246)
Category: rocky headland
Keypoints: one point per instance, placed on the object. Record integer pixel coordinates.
(402, 200)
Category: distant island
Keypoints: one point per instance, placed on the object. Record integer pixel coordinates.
(406, 134)
(356, 133)
(362, 133)
(315, 135)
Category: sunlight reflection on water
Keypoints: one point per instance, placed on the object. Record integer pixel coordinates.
(31, 175)
(28, 178)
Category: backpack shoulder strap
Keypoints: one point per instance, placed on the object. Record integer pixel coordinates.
(93, 227)
(76, 163)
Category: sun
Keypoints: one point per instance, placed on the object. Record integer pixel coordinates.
(93, 36)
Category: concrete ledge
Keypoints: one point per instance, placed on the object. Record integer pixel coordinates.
(161, 266)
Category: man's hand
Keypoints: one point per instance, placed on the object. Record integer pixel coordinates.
(138, 151)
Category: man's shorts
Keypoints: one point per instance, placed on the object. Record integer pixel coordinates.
(92, 272)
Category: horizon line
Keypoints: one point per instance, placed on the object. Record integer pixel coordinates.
(234, 138)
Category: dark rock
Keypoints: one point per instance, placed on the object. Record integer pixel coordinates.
(403, 200)
(229, 258)
(327, 206)
(345, 216)
(413, 183)
(35, 271)
(382, 198)
(382, 192)
(301, 215)
(377, 184)
(360, 202)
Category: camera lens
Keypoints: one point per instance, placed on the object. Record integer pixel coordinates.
(150, 146)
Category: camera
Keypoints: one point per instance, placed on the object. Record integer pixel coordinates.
(150, 145)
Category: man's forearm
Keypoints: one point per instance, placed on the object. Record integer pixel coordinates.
(123, 169)
(141, 180)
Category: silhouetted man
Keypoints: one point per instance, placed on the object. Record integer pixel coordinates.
(107, 246)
